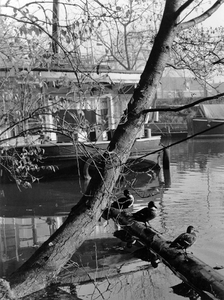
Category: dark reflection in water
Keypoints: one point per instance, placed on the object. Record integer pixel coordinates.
(44, 198)
(193, 196)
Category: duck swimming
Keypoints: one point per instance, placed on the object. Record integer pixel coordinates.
(185, 240)
(146, 214)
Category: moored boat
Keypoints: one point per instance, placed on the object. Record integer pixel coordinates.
(208, 121)
(59, 159)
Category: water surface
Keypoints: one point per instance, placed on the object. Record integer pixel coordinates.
(195, 196)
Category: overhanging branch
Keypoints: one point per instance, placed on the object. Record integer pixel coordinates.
(179, 108)
(202, 17)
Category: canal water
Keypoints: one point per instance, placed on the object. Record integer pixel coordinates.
(193, 196)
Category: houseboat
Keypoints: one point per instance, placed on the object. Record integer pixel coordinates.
(207, 122)
(70, 125)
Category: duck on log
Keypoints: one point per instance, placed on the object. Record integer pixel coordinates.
(186, 266)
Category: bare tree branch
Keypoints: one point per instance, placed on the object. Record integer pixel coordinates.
(202, 17)
(179, 108)
(183, 7)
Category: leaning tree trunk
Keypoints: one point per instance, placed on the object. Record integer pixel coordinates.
(42, 268)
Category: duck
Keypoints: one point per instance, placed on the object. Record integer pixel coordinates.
(146, 214)
(124, 202)
(185, 240)
(121, 203)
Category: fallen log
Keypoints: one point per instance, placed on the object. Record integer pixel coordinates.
(54, 292)
(187, 267)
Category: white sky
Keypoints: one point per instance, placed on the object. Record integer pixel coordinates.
(217, 19)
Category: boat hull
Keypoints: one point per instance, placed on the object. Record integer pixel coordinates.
(205, 128)
(67, 159)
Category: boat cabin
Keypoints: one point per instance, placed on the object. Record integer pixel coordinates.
(207, 121)
(61, 106)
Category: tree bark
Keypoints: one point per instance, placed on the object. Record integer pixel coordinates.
(42, 268)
